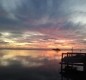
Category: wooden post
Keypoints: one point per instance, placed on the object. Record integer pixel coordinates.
(62, 67)
(84, 67)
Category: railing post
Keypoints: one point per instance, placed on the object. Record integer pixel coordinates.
(62, 67)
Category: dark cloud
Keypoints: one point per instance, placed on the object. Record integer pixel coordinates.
(3, 43)
(55, 18)
(5, 21)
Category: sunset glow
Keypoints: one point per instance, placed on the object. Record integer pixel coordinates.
(43, 25)
(42, 39)
(36, 40)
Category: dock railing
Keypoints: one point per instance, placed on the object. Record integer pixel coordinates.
(71, 61)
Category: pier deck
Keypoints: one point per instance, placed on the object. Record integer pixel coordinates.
(73, 66)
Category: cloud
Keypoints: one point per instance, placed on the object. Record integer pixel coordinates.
(33, 21)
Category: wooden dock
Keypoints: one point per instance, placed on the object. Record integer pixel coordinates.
(73, 66)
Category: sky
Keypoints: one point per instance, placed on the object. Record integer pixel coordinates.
(43, 23)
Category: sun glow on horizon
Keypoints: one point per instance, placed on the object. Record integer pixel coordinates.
(33, 40)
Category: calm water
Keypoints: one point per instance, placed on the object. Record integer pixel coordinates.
(33, 60)
(28, 58)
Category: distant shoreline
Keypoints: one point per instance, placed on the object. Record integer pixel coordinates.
(26, 48)
(56, 49)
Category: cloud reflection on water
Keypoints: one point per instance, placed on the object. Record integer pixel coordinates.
(27, 57)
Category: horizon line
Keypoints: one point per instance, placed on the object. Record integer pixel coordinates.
(41, 49)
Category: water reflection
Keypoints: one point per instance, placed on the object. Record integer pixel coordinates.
(27, 57)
